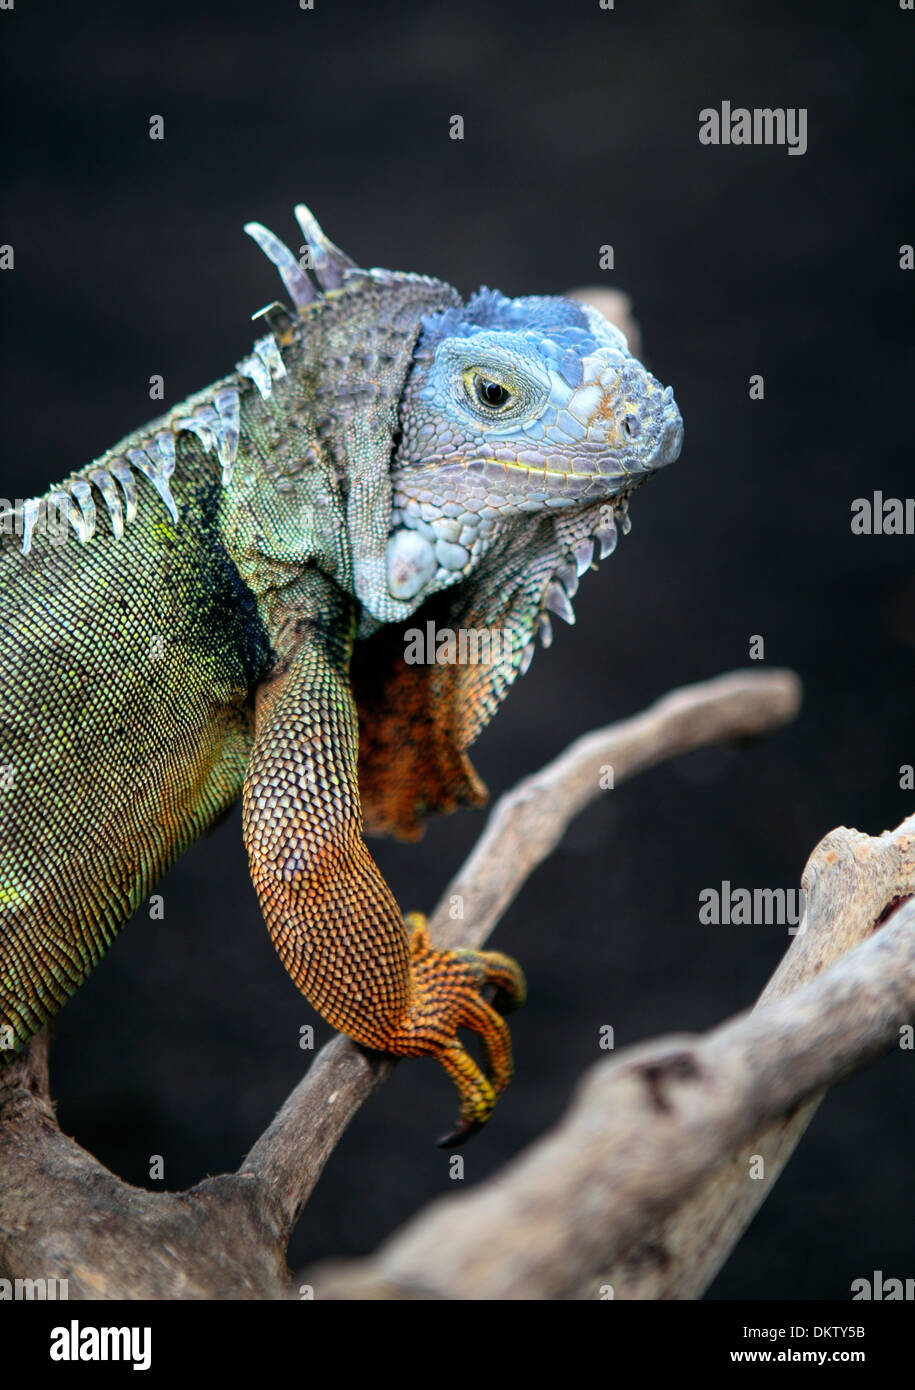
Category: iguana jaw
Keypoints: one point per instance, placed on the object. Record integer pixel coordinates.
(532, 473)
(448, 514)
(576, 421)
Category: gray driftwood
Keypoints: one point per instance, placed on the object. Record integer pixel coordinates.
(642, 1187)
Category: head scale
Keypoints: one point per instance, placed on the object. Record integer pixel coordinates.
(517, 408)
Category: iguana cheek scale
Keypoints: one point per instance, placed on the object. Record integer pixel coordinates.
(219, 606)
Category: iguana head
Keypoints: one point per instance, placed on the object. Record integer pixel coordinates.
(488, 451)
(513, 409)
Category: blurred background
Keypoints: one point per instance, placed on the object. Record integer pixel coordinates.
(581, 129)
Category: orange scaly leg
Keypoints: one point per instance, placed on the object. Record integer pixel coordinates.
(331, 915)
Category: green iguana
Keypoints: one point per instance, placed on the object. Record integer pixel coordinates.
(226, 604)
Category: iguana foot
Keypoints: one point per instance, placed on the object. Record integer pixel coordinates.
(449, 987)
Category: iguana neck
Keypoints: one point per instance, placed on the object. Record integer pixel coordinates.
(292, 451)
(319, 407)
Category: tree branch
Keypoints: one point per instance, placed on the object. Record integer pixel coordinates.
(523, 829)
(63, 1214)
(851, 882)
(636, 1189)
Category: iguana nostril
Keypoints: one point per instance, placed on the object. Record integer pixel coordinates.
(631, 426)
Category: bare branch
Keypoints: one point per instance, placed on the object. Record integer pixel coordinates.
(523, 828)
(63, 1214)
(850, 881)
(653, 1128)
(527, 823)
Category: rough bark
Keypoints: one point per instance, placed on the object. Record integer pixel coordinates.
(637, 1148)
(635, 1193)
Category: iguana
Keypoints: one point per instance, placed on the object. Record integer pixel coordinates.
(226, 604)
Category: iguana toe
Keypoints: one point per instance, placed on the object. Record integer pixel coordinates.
(449, 989)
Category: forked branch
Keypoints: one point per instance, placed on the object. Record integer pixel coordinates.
(63, 1214)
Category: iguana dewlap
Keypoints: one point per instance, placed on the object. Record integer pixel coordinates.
(228, 602)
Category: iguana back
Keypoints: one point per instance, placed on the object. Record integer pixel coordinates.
(127, 669)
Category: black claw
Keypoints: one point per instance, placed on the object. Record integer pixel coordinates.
(505, 1003)
(500, 999)
(463, 1132)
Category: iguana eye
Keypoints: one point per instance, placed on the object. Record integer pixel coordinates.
(497, 394)
(490, 393)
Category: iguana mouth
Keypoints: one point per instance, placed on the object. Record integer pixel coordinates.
(533, 471)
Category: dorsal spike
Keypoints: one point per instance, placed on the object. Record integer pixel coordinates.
(300, 288)
(150, 470)
(165, 446)
(66, 507)
(119, 468)
(329, 261)
(106, 487)
(82, 492)
(30, 513)
(204, 423)
(227, 408)
(277, 319)
(270, 355)
(254, 368)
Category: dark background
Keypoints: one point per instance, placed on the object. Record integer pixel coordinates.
(581, 129)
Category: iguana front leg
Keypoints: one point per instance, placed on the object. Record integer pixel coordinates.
(332, 917)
